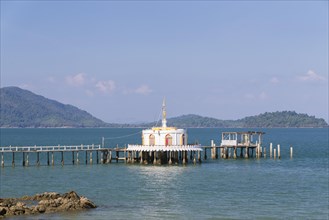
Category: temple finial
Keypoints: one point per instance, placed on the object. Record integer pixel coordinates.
(164, 120)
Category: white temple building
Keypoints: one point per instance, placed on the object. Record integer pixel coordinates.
(162, 145)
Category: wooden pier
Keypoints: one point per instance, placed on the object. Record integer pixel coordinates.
(233, 145)
(79, 154)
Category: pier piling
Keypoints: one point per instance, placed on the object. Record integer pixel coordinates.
(279, 153)
(274, 154)
(291, 151)
(2, 160)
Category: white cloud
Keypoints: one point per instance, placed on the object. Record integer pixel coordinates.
(263, 96)
(143, 90)
(311, 76)
(105, 86)
(77, 80)
(274, 80)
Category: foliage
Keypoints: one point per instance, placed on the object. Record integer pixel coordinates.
(22, 108)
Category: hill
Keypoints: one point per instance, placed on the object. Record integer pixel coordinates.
(22, 108)
(283, 119)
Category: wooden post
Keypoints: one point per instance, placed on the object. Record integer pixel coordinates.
(234, 154)
(274, 154)
(271, 150)
(73, 157)
(110, 157)
(102, 158)
(199, 156)
(52, 158)
(194, 157)
(97, 160)
(86, 157)
(91, 157)
(13, 161)
(23, 159)
(48, 158)
(62, 160)
(291, 151)
(279, 155)
(38, 158)
(184, 156)
(78, 157)
(205, 153)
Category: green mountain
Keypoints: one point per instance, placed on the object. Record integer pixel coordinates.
(22, 108)
(283, 119)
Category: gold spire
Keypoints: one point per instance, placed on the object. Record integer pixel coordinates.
(164, 120)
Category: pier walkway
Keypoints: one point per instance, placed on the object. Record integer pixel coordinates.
(89, 154)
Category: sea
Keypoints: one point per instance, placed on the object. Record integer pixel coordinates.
(264, 188)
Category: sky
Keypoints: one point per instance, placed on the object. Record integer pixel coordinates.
(118, 59)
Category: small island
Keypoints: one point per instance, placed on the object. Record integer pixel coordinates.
(47, 202)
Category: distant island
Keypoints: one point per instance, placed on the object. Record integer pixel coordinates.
(24, 109)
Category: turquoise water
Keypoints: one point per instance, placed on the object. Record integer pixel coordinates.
(217, 189)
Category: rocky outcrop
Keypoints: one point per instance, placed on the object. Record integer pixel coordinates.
(47, 202)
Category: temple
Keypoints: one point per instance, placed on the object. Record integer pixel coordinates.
(165, 145)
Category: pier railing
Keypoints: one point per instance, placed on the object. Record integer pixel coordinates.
(49, 148)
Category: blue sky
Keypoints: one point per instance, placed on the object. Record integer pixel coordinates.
(117, 60)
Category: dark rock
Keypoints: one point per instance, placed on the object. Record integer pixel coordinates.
(48, 202)
(3, 211)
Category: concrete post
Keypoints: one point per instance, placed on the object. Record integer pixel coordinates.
(264, 152)
(246, 155)
(279, 153)
(2, 160)
(274, 154)
(27, 159)
(155, 158)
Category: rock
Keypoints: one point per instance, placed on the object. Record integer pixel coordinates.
(3, 211)
(71, 195)
(48, 202)
(86, 203)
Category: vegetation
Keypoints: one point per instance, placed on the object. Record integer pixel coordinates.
(22, 108)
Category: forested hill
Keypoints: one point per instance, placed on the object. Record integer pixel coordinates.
(22, 108)
(283, 119)
(279, 119)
